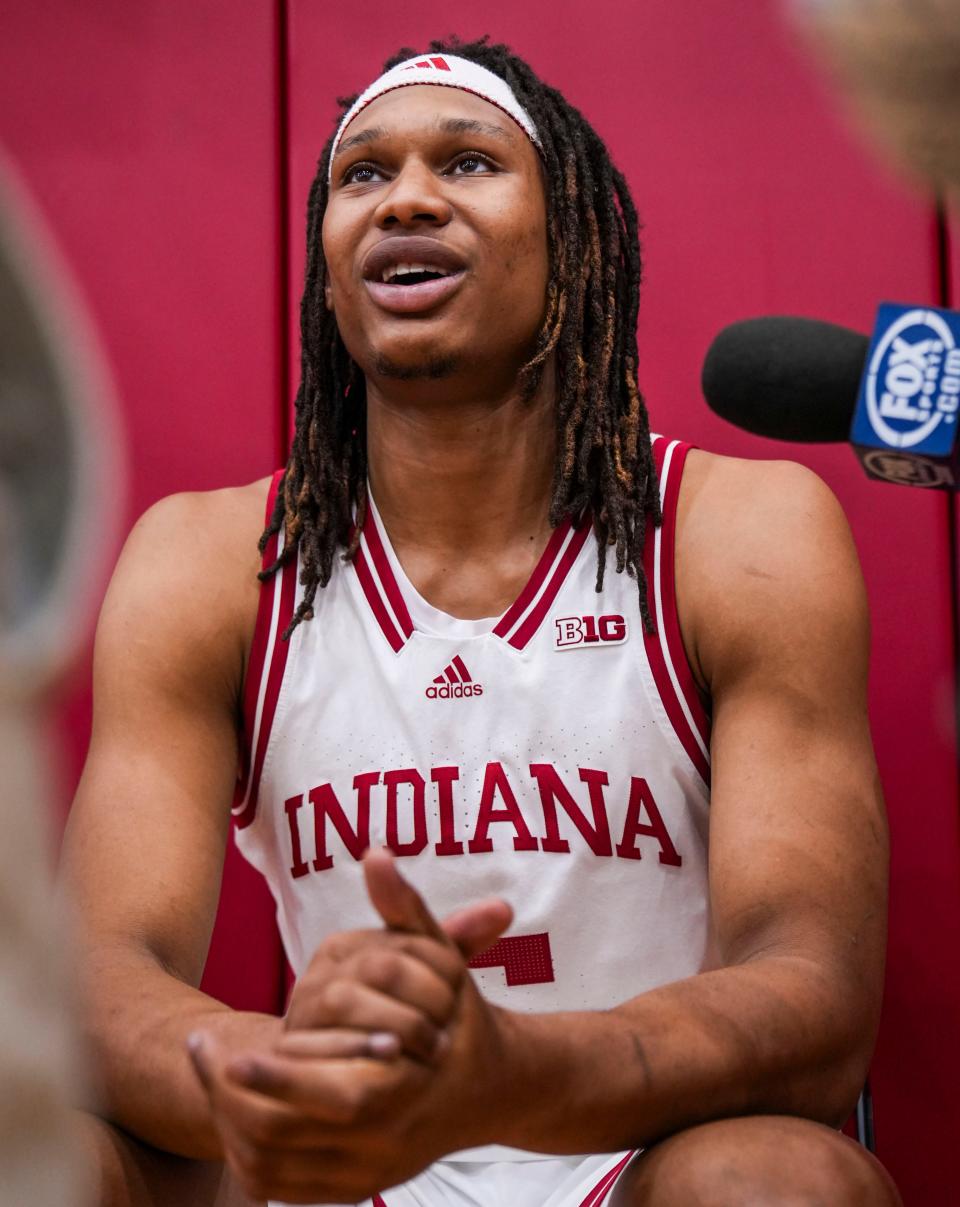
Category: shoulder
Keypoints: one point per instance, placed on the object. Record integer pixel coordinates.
(752, 505)
(739, 487)
(185, 589)
(208, 536)
(764, 554)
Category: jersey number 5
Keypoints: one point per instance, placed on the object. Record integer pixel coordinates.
(525, 959)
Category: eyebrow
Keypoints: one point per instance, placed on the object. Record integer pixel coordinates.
(448, 125)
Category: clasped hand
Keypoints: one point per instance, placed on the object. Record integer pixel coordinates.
(387, 1061)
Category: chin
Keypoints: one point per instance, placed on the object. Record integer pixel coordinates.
(427, 367)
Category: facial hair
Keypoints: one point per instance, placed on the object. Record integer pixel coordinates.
(433, 368)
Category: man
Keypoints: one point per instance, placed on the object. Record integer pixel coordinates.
(555, 654)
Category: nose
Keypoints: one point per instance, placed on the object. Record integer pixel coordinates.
(414, 197)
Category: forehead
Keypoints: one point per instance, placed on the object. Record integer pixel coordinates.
(425, 109)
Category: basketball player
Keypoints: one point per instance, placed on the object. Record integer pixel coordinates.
(601, 695)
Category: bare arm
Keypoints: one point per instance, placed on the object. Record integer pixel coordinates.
(147, 834)
(775, 616)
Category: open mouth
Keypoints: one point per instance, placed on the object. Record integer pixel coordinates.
(412, 274)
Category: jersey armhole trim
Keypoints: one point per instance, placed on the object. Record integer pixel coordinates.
(667, 656)
(268, 658)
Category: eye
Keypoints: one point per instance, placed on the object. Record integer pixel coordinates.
(472, 164)
(359, 173)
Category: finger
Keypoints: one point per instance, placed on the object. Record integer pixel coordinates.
(410, 968)
(405, 979)
(334, 1043)
(355, 1006)
(257, 1119)
(256, 1122)
(396, 901)
(313, 1045)
(341, 948)
(346, 1098)
(476, 927)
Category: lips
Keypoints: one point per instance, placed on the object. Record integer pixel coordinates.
(410, 249)
(412, 258)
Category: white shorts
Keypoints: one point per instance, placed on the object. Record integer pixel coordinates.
(541, 1182)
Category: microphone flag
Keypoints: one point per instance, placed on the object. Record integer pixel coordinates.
(904, 428)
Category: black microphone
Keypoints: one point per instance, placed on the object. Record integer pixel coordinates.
(786, 378)
(895, 397)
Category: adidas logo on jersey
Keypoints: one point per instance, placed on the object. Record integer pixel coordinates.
(454, 683)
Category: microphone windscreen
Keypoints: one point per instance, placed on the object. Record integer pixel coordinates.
(786, 378)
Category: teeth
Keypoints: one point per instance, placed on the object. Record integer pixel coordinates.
(397, 270)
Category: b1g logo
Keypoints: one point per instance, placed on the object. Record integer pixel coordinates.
(912, 384)
(573, 631)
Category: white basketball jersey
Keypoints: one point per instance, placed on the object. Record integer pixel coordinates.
(555, 756)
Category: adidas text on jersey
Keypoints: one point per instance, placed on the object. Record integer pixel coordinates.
(453, 683)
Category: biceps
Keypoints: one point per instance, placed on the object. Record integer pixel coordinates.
(145, 843)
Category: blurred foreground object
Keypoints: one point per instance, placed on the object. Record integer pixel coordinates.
(899, 62)
(62, 491)
(60, 502)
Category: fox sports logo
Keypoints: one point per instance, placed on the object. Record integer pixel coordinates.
(913, 379)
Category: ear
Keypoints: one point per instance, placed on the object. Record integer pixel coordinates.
(328, 297)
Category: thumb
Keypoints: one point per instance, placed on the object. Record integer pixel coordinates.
(396, 900)
(199, 1050)
(478, 926)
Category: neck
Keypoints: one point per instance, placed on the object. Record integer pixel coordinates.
(469, 475)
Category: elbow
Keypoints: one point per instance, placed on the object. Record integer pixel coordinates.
(828, 1090)
(840, 1092)
(822, 1045)
(113, 996)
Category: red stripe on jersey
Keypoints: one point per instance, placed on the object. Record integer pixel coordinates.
(656, 548)
(451, 674)
(462, 669)
(385, 573)
(258, 652)
(671, 619)
(536, 615)
(659, 444)
(605, 1185)
(287, 578)
(540, 572)
(376, 603)
(261, 631)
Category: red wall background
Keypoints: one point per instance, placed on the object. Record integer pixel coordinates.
(148, 134)
(172, 146)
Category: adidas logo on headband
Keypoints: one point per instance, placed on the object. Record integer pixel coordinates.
(440, 64)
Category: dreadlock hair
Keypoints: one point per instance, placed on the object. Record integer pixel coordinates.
(604, 460)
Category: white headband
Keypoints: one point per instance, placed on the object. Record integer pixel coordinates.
(450, 71)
